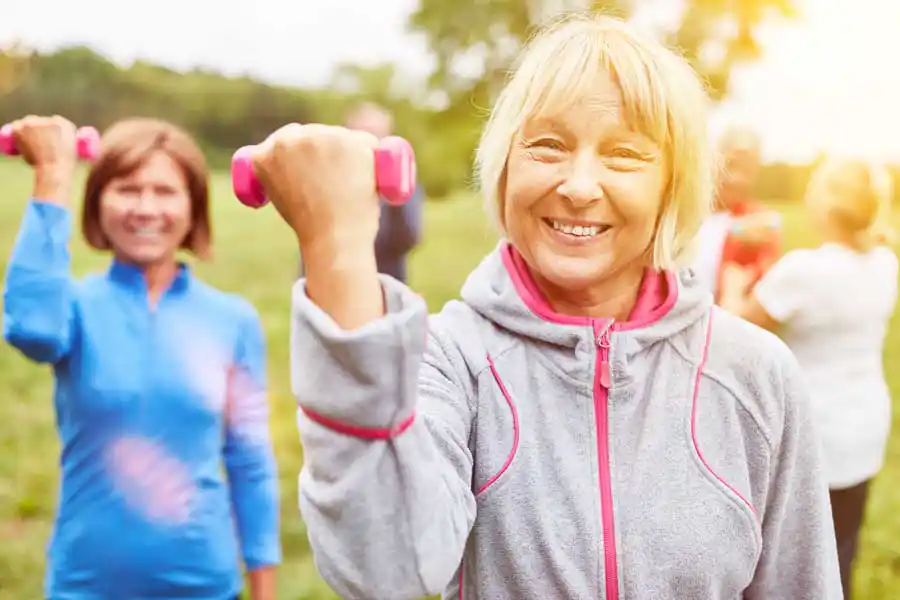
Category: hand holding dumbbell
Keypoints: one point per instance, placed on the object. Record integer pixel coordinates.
(395, 173)
(87, 142)
(51, 145)
(325, 182)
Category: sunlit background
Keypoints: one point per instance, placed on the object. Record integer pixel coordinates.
(811, 76)
(828, 79)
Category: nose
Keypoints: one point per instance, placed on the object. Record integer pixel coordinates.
(146, 204)
(582, 186)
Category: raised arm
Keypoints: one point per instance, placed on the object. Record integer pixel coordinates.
(38, 296)
(384, 419)
(384, 405)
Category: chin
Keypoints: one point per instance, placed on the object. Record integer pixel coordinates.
(569, 272)
(144, 257)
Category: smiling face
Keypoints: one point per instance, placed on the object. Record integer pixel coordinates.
(147, 194)
(146, 214)
(584, 192)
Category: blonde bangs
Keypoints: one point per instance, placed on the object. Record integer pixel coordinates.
(562, 70)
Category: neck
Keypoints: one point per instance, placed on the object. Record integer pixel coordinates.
(835, 235)
(614, 297)
(159, 278)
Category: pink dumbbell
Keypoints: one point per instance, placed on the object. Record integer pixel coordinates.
(87, 142)
(395, 173)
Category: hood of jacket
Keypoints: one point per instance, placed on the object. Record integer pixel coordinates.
(502, 290)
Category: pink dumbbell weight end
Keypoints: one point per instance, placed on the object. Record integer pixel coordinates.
(87, 142)
(395, 173)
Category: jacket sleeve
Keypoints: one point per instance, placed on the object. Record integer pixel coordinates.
(384, 418)
(799, 557)
(248, 454)
(38, 294)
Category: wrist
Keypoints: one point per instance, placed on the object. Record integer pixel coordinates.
(343, 281)
(52, 185)
(338, 255)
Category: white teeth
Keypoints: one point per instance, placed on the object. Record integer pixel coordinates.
(149, 230)
(576, 230)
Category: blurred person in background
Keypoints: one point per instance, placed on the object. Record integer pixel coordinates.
(832, 305)
(583, 422)
(159, 377)
(400, 227)
(741, 230)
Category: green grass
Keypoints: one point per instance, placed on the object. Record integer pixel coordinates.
(256, 257)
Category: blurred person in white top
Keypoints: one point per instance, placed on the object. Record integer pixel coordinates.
(832, 306)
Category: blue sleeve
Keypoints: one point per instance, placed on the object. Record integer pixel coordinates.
(249, 457)
(38, 295)
(401, 226)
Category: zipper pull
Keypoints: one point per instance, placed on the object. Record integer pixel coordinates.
(604, 342)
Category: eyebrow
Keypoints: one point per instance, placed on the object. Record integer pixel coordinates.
(618, 132)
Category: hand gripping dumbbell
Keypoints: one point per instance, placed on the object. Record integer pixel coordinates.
(395, 173)
(87, 142)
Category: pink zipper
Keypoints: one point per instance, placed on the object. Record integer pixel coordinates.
(601, 417)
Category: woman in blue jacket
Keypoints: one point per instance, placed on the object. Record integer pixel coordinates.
(160, 378)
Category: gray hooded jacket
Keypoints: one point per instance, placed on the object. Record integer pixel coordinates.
(498, 450)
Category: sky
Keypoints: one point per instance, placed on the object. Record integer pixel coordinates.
(829, 81)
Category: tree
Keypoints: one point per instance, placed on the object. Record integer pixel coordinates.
(14, 64)
(475, 40)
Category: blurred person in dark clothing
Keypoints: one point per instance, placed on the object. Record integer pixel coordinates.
(400, 228)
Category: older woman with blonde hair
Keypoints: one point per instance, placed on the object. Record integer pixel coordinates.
(583, 423)
(832, 306)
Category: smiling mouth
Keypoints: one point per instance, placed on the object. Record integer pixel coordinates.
(145, 231)
(579, 230)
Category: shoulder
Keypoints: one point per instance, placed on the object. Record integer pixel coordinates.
(798, 260)
(92, 283)
(459, 332)
(227, 306)
(754, 367)
(790, 271)
(887, 259)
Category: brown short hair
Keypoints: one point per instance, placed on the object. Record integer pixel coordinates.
(125, 146)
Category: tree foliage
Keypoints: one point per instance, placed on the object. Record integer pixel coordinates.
(713, 35)
(226, 113)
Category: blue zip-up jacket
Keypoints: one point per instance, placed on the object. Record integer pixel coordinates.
(149, 405)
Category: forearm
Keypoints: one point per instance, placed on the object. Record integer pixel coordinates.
(38, 295)
(53, 187)
(343, 281)
(254, 493)
(263, 583)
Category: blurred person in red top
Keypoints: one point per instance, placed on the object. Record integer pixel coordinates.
(742, 230)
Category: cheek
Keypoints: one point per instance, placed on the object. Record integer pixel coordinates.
(639, 199)
(179, 215)
(527, 183)
(111, 217)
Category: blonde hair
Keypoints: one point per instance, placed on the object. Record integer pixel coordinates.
(861, 200)
(662, 97)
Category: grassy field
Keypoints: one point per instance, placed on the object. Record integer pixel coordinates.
(256, 257)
